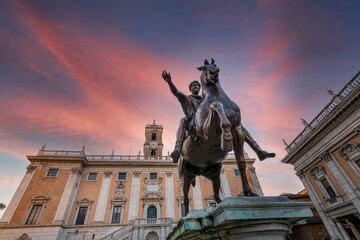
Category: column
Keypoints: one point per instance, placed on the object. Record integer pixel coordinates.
(67, 196)
(169, 196)
(225, 184)
(134, 196)
(342, 230)
(102, 199)
(17, 196)
(256, 181)
(198, 201)
(342, 177)
(330, 226)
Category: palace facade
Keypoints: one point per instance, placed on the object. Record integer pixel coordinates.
(326, 158)
(72, 195)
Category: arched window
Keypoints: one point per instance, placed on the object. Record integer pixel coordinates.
(153, 136)
(152, 152)
(152, 212)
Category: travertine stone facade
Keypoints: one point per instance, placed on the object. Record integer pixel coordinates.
(71, 195)
(326, 158)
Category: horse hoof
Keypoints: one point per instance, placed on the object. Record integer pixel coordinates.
(264, 155)
(249, 193)
(217, 199)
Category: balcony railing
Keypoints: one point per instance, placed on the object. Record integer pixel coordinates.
(56, 153)
(148, 221)
(336, 100)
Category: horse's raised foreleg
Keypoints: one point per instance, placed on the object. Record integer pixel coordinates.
(239, 138)
(225, 125)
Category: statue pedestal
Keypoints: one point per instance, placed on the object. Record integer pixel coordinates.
(247, 218)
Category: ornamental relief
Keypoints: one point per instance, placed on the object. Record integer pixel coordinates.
(349, 151)
(317, 171)
(152, 189)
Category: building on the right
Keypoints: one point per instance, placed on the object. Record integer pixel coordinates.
(326, 158)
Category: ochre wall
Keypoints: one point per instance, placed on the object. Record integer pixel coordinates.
(41, 185)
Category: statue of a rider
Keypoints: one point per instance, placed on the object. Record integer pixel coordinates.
(190, 104)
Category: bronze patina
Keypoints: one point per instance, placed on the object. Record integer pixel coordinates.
(212, 128)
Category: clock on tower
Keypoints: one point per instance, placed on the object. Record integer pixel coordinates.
(153, 145)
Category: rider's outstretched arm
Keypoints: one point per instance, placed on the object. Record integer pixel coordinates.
(166, 76)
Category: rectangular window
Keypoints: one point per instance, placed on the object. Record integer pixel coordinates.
(182, 208)
(52, 172)
(80, 220)
(92, 176)
(328, 188)
(116, 214)
(122, 176)
(153, 176)
(34, 214)
(236, 173)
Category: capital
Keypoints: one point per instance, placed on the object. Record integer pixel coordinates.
(108, 174)
(168, 174)
(137, 174)
(300, 174)
(326, 156)
(75, 171)
(30, 168)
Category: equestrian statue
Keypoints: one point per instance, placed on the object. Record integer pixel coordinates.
(211, 129)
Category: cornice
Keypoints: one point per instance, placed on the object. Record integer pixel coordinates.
(336, 116)
(56, 159)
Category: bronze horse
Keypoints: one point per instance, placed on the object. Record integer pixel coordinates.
(218, 131)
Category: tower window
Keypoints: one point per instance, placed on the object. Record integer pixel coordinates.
(153, 152)
(153, 136)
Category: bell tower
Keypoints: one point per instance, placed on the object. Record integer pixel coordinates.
(153, 145)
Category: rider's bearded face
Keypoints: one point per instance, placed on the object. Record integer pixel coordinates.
(195, 89)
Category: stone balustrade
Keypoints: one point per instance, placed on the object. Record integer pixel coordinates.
(326, 111)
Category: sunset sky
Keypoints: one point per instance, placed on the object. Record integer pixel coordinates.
(77, 73)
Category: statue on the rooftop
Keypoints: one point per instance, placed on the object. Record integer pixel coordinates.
(212, 128)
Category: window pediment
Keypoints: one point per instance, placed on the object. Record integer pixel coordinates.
(317, 172)
(349, 151)
(84, 202)
(40, 199)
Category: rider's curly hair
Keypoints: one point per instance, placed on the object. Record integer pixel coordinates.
(193, 82)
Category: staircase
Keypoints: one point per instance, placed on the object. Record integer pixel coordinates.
(120, 234)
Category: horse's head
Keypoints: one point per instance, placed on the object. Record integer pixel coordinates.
(209, 72)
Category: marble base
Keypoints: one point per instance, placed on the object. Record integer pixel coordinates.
(247, 218)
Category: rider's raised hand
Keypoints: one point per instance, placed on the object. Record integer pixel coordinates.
(166, 76)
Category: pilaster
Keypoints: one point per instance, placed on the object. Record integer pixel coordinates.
(18, 195)
(134, 196)
(225, 184)
(256, 181)
(198, 201)
(102, 199)
(169, 193)
(343, 178)
(329, 224)
(67, 195)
